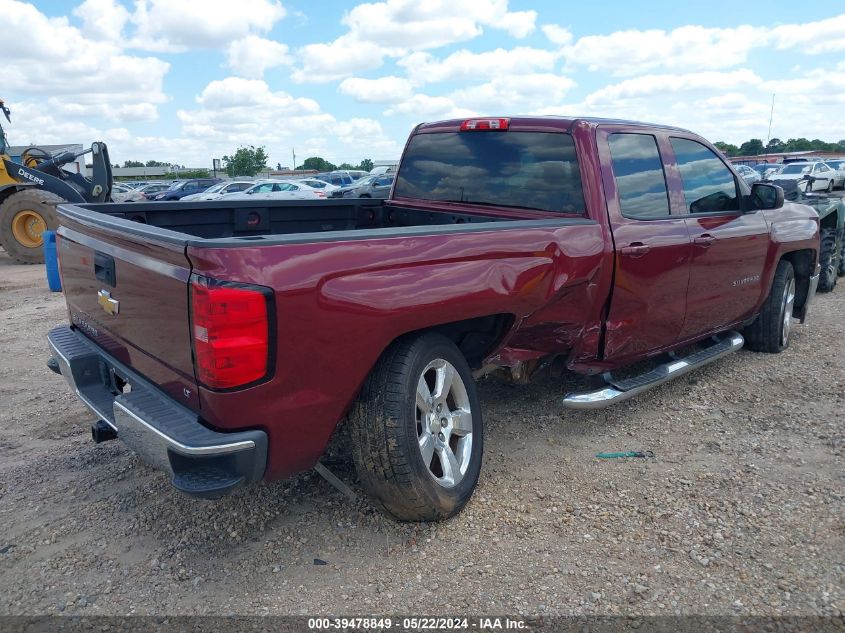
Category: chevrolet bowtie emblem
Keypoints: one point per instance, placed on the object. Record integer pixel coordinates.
(107, 303)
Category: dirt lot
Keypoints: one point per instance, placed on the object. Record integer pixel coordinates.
(740, 512)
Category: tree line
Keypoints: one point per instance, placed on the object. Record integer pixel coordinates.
(249, 160)
(755, 146)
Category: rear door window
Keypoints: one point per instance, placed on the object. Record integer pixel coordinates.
(709, 186)
(526, 170)
(640, 181)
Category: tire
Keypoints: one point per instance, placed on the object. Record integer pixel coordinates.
(830, 185)
(393, 424)
(770, 331)
(827, 250)
(24, 215)
(840, 269)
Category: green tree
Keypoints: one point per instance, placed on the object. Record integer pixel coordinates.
(246, 161)
(726, 148)
(156, 163)
(132, 163)
(751, 147)
(318, 163)
(775, 145)
(366, 165)
(345, 166)
(798, 145)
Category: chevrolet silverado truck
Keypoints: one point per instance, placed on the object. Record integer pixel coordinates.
(225, 342)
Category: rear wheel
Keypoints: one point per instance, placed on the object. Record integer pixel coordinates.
(772, 327)
(827, 251)
(830, 185)
(417, 430)
(24, 216)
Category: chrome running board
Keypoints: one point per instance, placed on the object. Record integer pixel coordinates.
(618, 390)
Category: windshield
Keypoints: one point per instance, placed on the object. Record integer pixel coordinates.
(796, 168)
(530, 170)
(176, 185)
(216, 188)
(362, 182)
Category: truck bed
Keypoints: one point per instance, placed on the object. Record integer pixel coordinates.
(218, 223)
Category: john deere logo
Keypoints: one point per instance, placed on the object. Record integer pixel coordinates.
(108, 304)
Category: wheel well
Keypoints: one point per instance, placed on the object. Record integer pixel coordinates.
(829, 221)
(802, 262)
(476, 337)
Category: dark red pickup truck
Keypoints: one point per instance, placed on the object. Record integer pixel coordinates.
(226, 341)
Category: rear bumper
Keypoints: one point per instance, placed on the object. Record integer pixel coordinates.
(166, 435)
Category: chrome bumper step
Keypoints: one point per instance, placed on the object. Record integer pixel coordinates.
(618, 390)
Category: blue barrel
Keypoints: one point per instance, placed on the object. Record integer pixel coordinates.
(53, 278)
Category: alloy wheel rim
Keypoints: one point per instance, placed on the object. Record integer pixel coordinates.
(788, 302)
(444, 422)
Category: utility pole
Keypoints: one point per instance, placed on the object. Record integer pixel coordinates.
(293, 150)
(771, 114)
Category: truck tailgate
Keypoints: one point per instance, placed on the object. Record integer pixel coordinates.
(129, 294)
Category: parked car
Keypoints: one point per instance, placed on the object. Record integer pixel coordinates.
(149, 190)
(226, 344)
(839, 166)
(748, 174)
(215, 192)
(181, 188)
(335, 178)
(767, 170)
(818, 175)
(277, 190)
(317, 184)
(122, 193)
(382, 169)
(369, 187)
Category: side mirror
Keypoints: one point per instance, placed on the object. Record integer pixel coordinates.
(766, 196)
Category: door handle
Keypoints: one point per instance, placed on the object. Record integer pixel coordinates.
(635, 249)
(704, 240)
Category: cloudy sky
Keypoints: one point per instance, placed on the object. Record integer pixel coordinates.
(190, 80)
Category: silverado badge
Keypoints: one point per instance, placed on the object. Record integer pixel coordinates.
(107, 303)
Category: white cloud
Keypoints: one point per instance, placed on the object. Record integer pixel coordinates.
(425, 107)
(49, 58)
(686, 48)
(237, 111)
(179, 25)
(251, 56)
(396, 27)
(464, 65)
(503, 95)
(382, 90)
(514, 93)
(345, 56)
(650, 85)
(103, 19)
(420, 25)
(824, 36)
(557, 34)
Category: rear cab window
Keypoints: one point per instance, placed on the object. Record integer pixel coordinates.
(525, 170)
(640, 179)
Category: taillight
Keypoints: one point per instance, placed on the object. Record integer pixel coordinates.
(231, 326)
(485, 124)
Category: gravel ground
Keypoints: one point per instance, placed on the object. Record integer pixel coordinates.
(740, 511)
